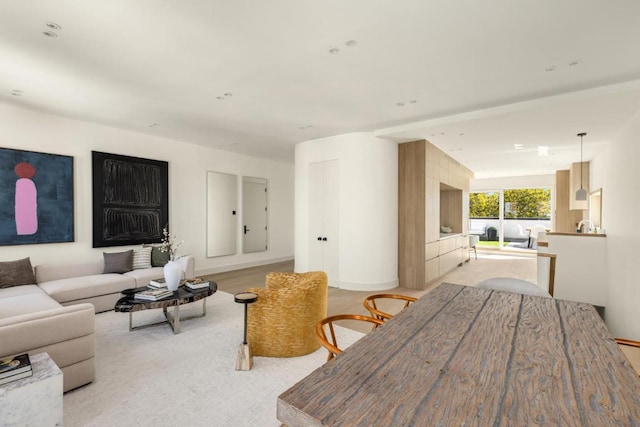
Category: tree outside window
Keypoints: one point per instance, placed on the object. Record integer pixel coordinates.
(529, 203)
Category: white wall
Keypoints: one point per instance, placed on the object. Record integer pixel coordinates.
(368, 208)
(531, 181)
(29, 130)
(615, 170)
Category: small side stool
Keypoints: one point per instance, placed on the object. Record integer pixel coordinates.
(244, 360)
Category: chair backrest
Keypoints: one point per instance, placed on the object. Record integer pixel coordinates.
(552, 269)
(536, 229)
(511, 284)
(631, 350)
(371, 304)
(329, 341)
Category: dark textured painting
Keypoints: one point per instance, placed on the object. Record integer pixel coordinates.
(130, 199)
(36, 197)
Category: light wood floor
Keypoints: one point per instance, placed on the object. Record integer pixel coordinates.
(489, 264)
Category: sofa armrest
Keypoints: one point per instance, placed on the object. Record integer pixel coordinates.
(20, 334)
(188, 264)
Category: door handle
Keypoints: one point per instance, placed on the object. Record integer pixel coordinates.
(246, 229)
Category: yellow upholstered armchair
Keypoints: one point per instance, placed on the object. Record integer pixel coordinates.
(281, 323)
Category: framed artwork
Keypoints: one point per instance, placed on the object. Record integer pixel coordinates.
(36, 197)
(130, 199)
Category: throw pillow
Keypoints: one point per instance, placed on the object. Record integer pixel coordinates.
(141, 258)
(16, 273)
(158, 258)
(118, 262)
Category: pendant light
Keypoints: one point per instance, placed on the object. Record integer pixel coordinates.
(581, 194)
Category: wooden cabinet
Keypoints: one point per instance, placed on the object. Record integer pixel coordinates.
(432, 188)
(575, 184)
(566, 220)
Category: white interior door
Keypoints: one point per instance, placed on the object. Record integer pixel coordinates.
(323, 219)
(316, 216)
(331, 221)
(254, 215)
(222, 204)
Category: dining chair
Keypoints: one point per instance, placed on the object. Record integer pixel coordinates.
(631, 350)
(520, 286)
(473, 241)
(329, 341)
(534, 233)
(371, 304)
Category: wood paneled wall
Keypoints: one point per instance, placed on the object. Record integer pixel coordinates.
(423, 171)
(566, 220)
(411, 212)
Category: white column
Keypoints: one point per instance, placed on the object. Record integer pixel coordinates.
(368, 208)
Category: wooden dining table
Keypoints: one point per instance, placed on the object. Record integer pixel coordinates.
(464, 356)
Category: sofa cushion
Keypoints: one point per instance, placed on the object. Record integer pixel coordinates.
(49, 272)
(21, 290)
(16, 273)
(118, 262)
(143, 277)
(142, 258)
(77, 288)
(158, 258)
(26, 303)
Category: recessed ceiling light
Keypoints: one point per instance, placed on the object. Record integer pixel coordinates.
(17, 92)
(574, 63)
(518, 146)
(400, 104)
(543, 150)
(413, 101)
(350, 43)
(50, 34)
(334, 50)
(550, 68)
(53, 25)
(228, 94)
(220, 97)
(461, 134)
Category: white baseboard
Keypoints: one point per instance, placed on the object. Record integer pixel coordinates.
(240, 266)
(379, 286)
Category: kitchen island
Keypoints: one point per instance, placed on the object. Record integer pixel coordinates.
(581, 266)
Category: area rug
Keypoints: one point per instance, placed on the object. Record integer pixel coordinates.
(151, 377)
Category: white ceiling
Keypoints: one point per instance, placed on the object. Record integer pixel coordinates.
(473, 68)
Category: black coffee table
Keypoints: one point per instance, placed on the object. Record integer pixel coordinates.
(129, 304)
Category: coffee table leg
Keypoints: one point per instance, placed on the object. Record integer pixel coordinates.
(130, 321)
(204, 306)
(176, 319)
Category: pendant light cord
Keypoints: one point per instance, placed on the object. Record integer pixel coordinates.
(581, 135)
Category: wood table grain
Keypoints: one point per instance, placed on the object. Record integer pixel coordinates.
(463, 356)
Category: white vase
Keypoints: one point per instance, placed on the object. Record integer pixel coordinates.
(172, 275)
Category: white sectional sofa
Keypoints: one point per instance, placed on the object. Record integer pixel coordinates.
(85, 282)
(57, 314)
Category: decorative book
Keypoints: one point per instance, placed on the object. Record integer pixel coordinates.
(12, 366)
(153, 294)
(16, 377)
(157, 283)
(197, 283)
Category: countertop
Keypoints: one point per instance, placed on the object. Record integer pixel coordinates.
(449, 235)
(554, 233)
